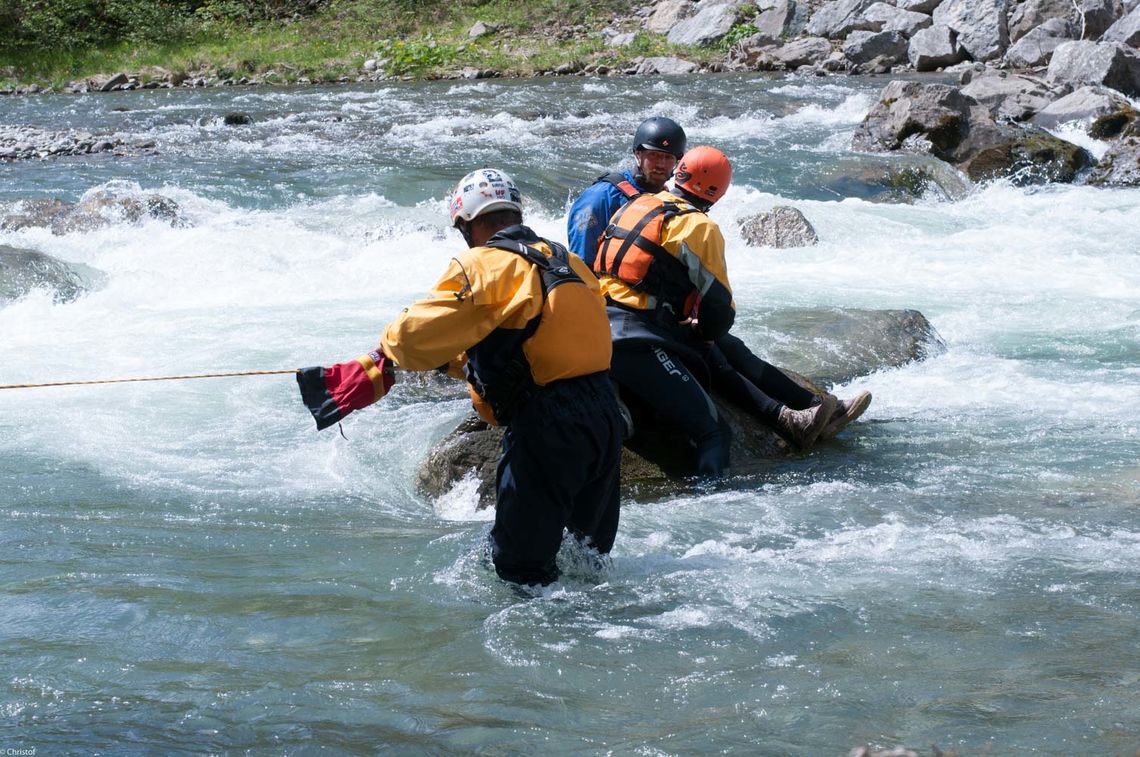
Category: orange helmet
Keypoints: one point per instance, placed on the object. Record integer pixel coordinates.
(704, 172)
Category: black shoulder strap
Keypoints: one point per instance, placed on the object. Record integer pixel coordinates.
(552, 275)
(634, 236)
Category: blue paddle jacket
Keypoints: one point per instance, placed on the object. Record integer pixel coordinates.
(591, 213)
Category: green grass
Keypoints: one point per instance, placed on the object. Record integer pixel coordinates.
(421, 39)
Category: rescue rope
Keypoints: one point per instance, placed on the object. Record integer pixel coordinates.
(148, 378)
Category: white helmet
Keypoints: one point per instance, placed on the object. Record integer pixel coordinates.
(483, 191)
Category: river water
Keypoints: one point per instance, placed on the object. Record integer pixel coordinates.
(190, 567)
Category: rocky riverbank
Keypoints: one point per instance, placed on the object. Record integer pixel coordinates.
(1024, 66)
(840, 36)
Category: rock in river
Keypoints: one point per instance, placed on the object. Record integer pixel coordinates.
(21, 271)
(834, 345)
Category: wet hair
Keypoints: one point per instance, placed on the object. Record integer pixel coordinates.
(500, 218)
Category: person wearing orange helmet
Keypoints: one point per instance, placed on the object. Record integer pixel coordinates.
(735, 371)
(661, 265)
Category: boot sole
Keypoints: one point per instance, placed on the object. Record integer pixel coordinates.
(858, 406)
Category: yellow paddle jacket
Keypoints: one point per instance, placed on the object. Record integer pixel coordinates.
(489, 308)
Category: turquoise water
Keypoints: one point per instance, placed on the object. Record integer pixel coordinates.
(189, 567)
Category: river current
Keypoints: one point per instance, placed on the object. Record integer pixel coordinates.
(188, 567)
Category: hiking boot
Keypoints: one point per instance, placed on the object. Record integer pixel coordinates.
(845, 412)
(804, 426)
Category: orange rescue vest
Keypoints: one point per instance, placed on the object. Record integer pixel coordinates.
(630, 249)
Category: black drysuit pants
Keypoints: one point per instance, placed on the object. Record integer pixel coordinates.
(559, 471)
(658, 377)
(752, 383)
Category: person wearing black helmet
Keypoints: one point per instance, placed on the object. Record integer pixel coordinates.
(734, 370)
(658, 144)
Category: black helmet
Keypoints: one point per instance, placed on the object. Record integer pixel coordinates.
(660, 133)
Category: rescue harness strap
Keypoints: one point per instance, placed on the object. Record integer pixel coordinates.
(633, 236)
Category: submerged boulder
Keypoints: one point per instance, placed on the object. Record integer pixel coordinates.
(21, 271)
(836, 345)
(902, 179)
(97, 209)
(35, 212)
(833, 345)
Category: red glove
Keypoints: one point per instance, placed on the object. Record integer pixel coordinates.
(332, 393)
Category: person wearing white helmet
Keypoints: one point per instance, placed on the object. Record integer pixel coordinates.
(525, 322)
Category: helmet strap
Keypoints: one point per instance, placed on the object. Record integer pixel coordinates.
(697, 202)
(465, 229)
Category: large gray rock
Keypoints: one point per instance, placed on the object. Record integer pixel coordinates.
(933, 48)
(21, 271)
(762, 53)
(786, 18)
(843, 344)
(918, 6)
(1109, 64)
(710, 24)
(1011, 97)
(938, 113)
(666, 66)
(863, 47)
(942, 121)
(806, 51)
(754, 53)
(1036, 48)
(1084, 104)
(980, 25)
(1120, 166)
(781, 227)
(1030, 14)
(1126, 31)
(839, 18)
(668, 14)
(1097, 16)
(888, 18)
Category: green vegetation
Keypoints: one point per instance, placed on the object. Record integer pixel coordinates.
(52, 42)
(737, 33)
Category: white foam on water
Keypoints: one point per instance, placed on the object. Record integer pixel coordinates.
(848, 112)
(815, 90)
(461, 502)
(238, 290)
(1077, 133)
